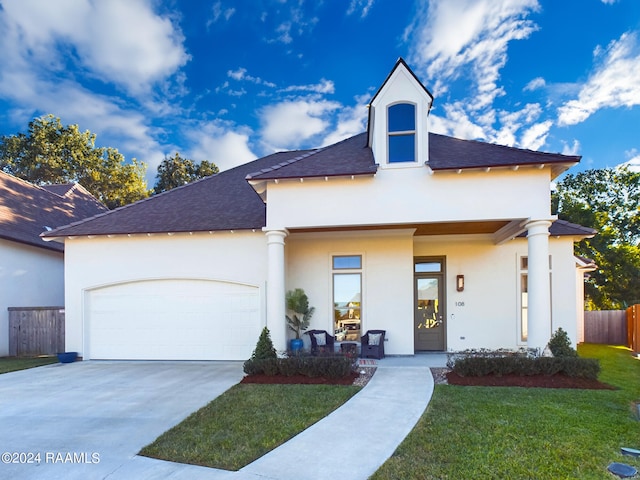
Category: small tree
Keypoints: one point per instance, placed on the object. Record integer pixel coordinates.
(560, 345)
(298, 303)
(264, 347)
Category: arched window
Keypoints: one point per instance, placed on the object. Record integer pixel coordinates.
(401, 122)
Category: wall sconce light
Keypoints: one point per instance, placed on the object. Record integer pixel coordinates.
(460, 283)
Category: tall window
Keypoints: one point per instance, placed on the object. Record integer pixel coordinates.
(524, 296)
(347, 296)
(401, 121)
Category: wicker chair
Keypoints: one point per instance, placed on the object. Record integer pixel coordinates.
(369, 348)
(318, 347)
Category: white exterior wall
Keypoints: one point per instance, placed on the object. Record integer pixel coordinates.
(410, 195)
(487, 313)
(91, 263)
(387, 280)
(29, 277)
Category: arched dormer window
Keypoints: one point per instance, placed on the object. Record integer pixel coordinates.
(401, 132)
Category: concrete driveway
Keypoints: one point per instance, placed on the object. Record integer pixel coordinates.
(86, 420)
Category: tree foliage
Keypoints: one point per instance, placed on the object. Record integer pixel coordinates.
(607, 200)
(50, 153)
(176, 171)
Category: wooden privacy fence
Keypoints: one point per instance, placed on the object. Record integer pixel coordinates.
(633, 328)
(605, 326)
(36, 331)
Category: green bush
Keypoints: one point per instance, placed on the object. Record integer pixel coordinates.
(469, 366)
(336, 366)
(560, 345)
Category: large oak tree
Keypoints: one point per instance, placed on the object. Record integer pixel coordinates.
(607, 200)
(51, 153)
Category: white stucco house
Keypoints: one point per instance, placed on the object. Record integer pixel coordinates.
(32, 270)
(446, 244)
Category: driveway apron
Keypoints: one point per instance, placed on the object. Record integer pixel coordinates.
(85, 420)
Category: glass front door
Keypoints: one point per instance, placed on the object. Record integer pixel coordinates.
(429, 315)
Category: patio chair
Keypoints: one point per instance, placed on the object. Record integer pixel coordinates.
(321, 341)
(373, 344)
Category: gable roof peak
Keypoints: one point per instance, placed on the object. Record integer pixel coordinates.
(401, 64)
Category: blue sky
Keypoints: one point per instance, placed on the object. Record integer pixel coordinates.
(232, 80)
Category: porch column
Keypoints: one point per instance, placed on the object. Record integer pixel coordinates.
(276, 288)
(539, 295)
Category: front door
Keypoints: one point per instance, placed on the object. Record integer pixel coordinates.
(429, 319)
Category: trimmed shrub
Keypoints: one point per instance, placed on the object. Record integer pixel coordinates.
(560, 345)
(264, 347)
(486, 365)
(326, 366)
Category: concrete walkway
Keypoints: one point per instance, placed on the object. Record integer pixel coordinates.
(353, 441)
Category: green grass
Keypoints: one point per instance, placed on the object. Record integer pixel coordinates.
(12, 364)
(518, 433)
(246, 422)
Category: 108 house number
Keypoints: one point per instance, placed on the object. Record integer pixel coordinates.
(459, 304)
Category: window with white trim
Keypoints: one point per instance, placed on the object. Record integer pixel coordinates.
(401, 132)
(347, 296)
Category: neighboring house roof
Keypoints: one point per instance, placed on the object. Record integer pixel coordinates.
(26, 210)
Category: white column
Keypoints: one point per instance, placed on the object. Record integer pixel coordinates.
(539, 295)
(276, 322)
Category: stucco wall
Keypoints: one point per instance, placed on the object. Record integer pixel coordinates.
(233, 257)
(410, 195)
(387, 280)
(29, 277)
(487, 313)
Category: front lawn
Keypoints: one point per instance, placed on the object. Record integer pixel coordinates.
(525, 433)
(246, 422)
(12, 364)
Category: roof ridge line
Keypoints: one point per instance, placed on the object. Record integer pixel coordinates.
(285, 163)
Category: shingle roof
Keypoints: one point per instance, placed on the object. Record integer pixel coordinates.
(348, 157)
(224, 201)
(562, 227)
(448, 153)
(26, 210)
(227, 201)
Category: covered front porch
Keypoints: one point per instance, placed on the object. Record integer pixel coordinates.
(443, 286)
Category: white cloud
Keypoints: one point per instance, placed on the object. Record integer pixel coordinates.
(218, 12)
(241, 75)
(363, 6)
(121, 42)
(289, 124)
(450, 39)
(451, 34)
(614, 83)
(535, 84)
(572, 149)
(536, 135)
(351, 121)
(219, 144)
(325, 86)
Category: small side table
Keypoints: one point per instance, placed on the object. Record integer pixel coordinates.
(349, 348)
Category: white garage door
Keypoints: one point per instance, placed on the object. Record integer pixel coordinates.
(172, 320)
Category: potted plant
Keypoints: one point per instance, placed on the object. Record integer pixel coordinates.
(298, 304)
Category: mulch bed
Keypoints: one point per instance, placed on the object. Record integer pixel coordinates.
(528, 381)
(299, 379)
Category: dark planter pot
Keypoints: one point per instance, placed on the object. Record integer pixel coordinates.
(296, 344)
(67, 357)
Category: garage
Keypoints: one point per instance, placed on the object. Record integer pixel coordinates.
(172, 319)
